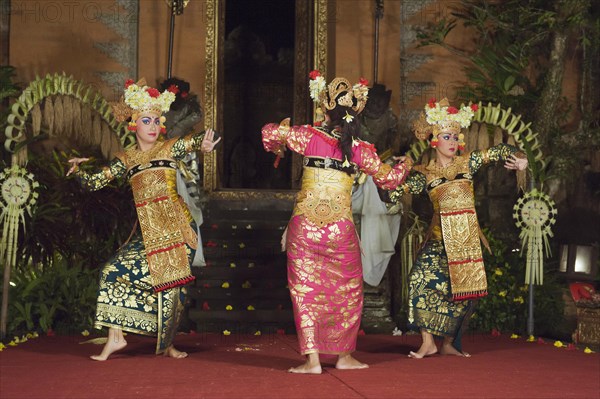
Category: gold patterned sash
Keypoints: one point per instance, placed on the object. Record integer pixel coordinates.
(164, 219)
(460, 232)
(326, 196)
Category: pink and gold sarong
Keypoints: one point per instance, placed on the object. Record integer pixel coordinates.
(324, 265)
(325, 280)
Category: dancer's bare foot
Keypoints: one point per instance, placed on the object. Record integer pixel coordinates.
(347, 362)
(312, 365)
(449, 349)
(307, 368)
(426, 349)
(174, 353)
(110, 347)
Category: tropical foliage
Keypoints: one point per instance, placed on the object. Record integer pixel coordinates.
(504, 309)
(70, 235)
(59, 296)
(519, 60)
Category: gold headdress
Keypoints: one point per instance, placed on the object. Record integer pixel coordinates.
(339, 91)
(440, 117)
(140, 98)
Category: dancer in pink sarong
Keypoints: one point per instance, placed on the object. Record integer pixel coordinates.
(324, 263)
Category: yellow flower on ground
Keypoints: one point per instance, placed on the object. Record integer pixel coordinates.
(12, 343)
(225, 285)
(242, 245)
(228, 307)
(224, 245)
(519, 299)
(502, 293)
(85, 333)
(232, 264)
(250, 307)
(587, 350)
(30, 335)
(226, 332)
(16, 339)
(23, 339)
(35, 335)
(558, 344)
(514, 336)
(2, 346)
(498, 272)
(257, 333)
(246, 284)
(531, 338)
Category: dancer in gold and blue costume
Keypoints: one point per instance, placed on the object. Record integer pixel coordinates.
(142, 286)
(449, 273)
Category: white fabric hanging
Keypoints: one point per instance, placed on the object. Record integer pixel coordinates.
(378, 231)
(196, 215)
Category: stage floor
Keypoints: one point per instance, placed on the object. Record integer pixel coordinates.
(242, 366)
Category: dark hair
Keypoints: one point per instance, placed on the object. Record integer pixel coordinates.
(348, 130)
(183, 90)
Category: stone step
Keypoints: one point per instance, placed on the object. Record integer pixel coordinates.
(270, 233)
(264, 316)
(237, 273)
(264, 262)
(241, 248)
(251, 205)
(278, 291)
(243, 304)
(214, 216)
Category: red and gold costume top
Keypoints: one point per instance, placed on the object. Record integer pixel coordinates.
(326, 193)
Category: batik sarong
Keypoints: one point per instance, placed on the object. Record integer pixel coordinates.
(431, 307)
(325, 281)
(127, 300)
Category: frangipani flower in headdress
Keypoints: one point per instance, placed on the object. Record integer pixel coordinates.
(442, 113)
(139, 98)
(441, 117)
(142, 98)
(316, 85)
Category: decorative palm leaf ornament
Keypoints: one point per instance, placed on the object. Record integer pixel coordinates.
(534, 205)
(59, 106)
(535, 214)
(19, 195)
(70, 107)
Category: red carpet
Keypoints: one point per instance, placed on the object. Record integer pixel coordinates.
(255, 367)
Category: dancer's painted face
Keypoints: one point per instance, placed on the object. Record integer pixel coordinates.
(447, 144)
(148, 127)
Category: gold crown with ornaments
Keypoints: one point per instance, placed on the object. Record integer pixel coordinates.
(440, 117)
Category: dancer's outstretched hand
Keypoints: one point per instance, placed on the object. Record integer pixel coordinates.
(516, 163)
(75, 164)
(209, 142)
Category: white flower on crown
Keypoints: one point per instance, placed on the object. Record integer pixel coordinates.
(437, 114)
(139, 98)
(316, 86)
